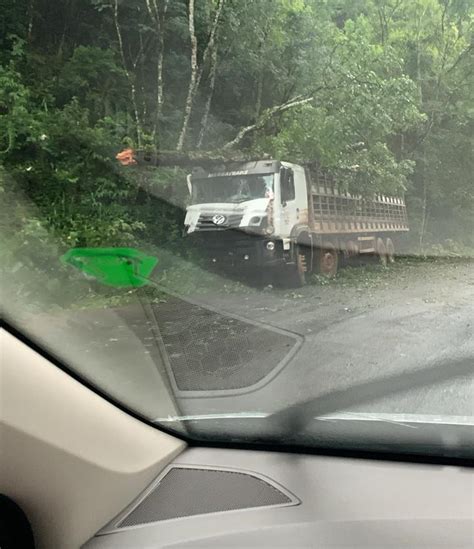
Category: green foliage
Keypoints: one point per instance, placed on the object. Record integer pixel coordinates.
(366, 99)
(93, 77)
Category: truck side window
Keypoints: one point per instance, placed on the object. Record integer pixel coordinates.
(287, 185)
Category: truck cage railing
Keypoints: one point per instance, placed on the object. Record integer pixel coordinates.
(341, 212)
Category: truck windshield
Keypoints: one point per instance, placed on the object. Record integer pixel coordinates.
(234, 189)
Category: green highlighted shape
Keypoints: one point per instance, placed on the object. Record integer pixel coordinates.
(118, 267)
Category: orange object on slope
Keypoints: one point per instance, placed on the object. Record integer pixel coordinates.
(126, 157)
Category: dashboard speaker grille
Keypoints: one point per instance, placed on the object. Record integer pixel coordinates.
(184, 492)
(208, 351)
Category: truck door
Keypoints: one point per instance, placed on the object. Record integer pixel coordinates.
(293, 199)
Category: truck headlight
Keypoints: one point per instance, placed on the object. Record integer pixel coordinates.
(270, 246)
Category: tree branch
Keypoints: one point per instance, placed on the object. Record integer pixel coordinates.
(270, 113)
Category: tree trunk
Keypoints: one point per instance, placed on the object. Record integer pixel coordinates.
(424, 217)
(159, 21)
(382, 23)
(422, 171)
(192, 80)
(207, 107)
(31, 19)
(196, 71)
(133, 90)
(187, 159)
(159, 81)
(262, 51)
(211, 41)
(424, 208)
(258, 102)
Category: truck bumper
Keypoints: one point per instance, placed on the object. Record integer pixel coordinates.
(236, 249)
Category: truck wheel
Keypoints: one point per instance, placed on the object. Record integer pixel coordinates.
(390, 250)
(302, 265)
(328, 260)
(381, 251)
(295, 275)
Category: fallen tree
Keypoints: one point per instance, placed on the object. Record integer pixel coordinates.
(183, 159)
(228, 152)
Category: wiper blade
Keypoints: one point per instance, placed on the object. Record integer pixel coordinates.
(295, 418)
(360, 416)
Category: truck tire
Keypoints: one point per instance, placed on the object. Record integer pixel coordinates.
(390, 250)
(381, 252)
(328, 260)
(296, 274)
(303, 266)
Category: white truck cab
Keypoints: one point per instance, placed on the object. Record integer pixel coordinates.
(262, 197)
(245, 214)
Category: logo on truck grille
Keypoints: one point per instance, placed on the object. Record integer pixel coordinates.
(219, 219)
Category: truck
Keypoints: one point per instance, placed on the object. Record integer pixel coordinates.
(287, 220)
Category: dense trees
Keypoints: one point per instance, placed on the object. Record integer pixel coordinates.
(382, 89)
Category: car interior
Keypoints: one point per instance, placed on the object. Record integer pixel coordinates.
(76, 470)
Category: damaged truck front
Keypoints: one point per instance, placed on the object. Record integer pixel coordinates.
(232, 216)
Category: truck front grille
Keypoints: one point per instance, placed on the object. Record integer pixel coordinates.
(206, 222)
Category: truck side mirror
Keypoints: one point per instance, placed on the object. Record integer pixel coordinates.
(287, 185)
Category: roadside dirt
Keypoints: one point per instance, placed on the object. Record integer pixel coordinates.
(410, 283)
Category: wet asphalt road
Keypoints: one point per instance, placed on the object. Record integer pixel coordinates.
(354, 335)
(304, 344)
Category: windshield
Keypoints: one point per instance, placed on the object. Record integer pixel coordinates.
(232, 189)
(334, 308)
